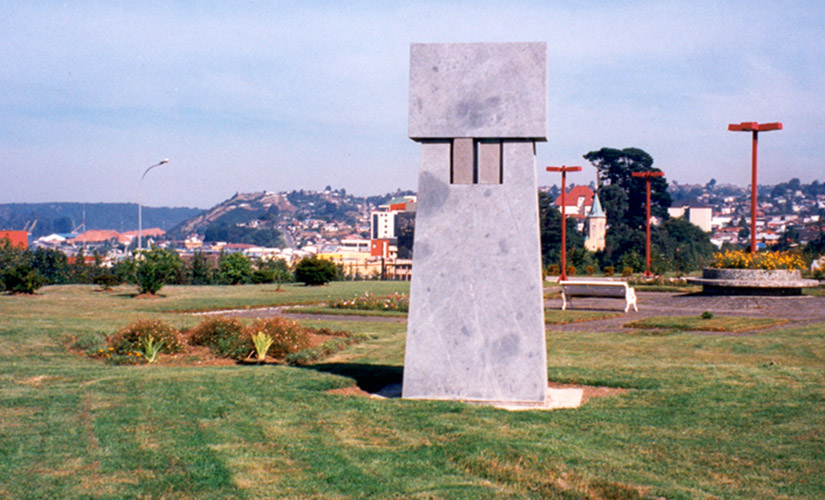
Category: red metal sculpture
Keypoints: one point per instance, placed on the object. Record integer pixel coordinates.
(563, 169)
(647, 176)
(755, 128)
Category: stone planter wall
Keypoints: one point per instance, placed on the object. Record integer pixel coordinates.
(756, 275)
(751, 282)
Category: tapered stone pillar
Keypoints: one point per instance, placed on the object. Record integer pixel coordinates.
(476, 323)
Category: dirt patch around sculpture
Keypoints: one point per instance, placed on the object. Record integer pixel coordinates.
(589, 392)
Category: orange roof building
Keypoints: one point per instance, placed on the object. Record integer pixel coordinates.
(17, 238)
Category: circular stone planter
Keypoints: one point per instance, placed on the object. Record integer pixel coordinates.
(751, 282)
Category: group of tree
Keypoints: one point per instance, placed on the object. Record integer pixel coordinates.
(26, 270)
(677, 245)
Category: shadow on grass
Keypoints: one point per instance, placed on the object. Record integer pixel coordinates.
(370, 378)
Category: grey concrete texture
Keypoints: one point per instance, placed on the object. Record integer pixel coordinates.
(480, 90)
(476, 324)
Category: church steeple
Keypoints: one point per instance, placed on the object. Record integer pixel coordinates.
(596, 209)
(596, 226)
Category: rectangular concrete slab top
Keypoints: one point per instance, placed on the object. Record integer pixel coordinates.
(481, 90)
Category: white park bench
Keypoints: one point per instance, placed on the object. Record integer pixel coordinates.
(598, 288)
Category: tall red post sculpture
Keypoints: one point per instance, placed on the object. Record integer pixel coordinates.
(563, 169)
(755, 128)
(647, 176)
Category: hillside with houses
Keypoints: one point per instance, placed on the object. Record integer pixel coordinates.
(370, 235)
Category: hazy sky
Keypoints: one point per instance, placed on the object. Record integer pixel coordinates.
(251, 96)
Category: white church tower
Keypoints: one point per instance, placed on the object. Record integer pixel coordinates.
(596, 226)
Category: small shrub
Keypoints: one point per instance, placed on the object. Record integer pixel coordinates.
(310, 355)
(90, 342)
(553, 269)
(590, 270)
(155, 268)
(106, 280)
(224, 336)
(287, 335)
(627, 271)
(21, 278)
(332, 333)
(609, 271)
(571, 270)
(234, 268)
(313, 271)
(707, 315)
(129, 339)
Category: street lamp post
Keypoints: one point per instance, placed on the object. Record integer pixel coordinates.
(563, 169)
(647, 176)
(140, 202)
(755, 128)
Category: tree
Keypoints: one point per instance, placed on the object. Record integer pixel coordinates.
(681, 246)
(615, 167)
(155, 268)
(550, 231)
(272, 270)
(200, 271)
(17, 272)
(234, 268)
(80, 271)
(313, 271)
(53, 265)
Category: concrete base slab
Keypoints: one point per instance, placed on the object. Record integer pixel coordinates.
(555, 399)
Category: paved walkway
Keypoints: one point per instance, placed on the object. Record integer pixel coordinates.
(800, 309)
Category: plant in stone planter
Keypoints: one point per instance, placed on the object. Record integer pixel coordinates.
(769, 261)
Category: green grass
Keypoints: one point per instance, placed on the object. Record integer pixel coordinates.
(706, 416)
(668, 288)
(732, 324)
(551, 316)
(814, 292)
(559, 317)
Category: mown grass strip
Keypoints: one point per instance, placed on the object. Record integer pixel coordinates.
(558, 317)
(710, 416)
(730, 324)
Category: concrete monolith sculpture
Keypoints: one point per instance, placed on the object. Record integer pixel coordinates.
(476, 321)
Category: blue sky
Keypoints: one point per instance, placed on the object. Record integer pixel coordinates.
(250, 96)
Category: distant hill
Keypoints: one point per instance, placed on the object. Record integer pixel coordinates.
(266, 218)
(61, 217)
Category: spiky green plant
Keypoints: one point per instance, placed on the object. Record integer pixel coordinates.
(262, 343)
(151, 348)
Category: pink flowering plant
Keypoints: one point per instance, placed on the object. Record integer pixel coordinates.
(369, 302)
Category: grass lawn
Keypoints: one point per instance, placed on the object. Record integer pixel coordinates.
(706, 417)
(559, 317)
(730, 324)
(551, 316)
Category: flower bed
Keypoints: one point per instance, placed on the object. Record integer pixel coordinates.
(369, 302)
(735, 272)
(768, 261)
